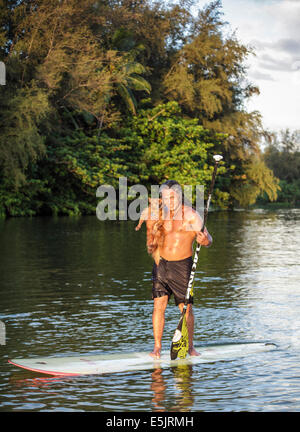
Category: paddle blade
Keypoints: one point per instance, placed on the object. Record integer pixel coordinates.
(180, 341)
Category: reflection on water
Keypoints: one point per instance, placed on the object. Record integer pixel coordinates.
(77, 285)
(159, 388)
(183, 384)
(183, 379)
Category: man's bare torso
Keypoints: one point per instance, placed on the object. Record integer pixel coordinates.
(179, 235)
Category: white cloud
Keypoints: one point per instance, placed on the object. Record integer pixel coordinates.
(271, 27)
(257, 75)
(286, 13)
(273, 62)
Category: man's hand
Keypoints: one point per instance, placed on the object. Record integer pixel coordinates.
(204, 238)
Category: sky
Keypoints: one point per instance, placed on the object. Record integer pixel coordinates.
(272, 28)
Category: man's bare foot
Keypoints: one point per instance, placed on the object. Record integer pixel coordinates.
(155, 353)
(193, 352)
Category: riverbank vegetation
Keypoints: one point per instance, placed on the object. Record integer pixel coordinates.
(282, 156)
(101, 89)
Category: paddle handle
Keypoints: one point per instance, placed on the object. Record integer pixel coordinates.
(217, 159)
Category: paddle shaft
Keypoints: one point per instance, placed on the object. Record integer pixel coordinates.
(198, 247)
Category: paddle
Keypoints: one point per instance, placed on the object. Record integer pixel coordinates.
(180, 341)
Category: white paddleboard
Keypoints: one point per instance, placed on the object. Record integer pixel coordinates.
(110, 363)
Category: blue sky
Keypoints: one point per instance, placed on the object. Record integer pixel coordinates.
(272, 28)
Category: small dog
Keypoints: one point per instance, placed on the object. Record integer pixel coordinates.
(153, 212)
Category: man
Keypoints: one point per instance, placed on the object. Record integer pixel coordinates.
(173, 237)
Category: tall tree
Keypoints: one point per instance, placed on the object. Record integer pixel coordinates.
(208, 79)
(56, 64)
(76, 68)
(282, 154)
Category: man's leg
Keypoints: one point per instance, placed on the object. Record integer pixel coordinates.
(190, 326)
(158, 320)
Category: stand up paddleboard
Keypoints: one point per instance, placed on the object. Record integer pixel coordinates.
(111, 363)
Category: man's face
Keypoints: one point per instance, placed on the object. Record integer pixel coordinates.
(170, 198)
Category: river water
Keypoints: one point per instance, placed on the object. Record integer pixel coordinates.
(78, 285)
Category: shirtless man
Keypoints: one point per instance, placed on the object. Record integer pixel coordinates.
(171, 275)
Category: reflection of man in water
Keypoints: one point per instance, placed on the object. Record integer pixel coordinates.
(184, 396)
(158, 386)
(173, 236)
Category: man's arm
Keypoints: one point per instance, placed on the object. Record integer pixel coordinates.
(150, 236)
(205, 239)
(195, 224)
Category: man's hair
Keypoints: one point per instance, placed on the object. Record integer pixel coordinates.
(174, 185)
(170, 183)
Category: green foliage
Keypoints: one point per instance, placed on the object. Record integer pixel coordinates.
(21, 141)
(156, 145)
(25, 200)
(73, 114)
(256, 180)
(175, 147)
(282, 156)
(208, 78)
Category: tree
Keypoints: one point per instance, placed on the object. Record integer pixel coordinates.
(56, 64)
(257, 180)
(282, 156)
(208, 79)
(80, 67)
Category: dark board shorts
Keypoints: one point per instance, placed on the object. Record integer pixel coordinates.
(172, 277)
